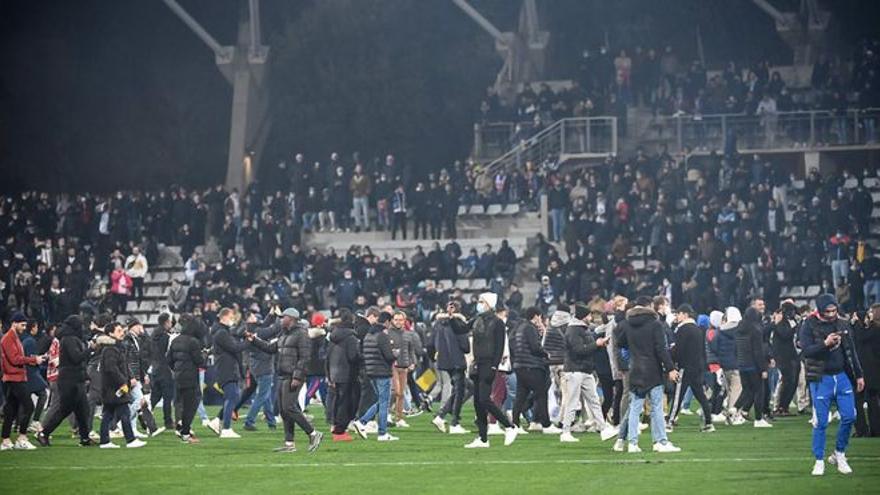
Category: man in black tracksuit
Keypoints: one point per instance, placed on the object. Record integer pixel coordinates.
(185, 357)
(689, 353)
(784, 331)
(450, 342)
(488, 347)
(752, 363)
(343, 360)
(72, 361)
(161, 380)
(530, 363)
(294, 349)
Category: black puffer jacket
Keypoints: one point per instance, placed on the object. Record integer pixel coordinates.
(488, 339)
(294, 350)
(553, 340)
(74, 353)
(690, 348)
(114, 374)
(343, 355)
(645, 340)
(525, 347)
(580, 348)
(750, 354)
(185, 354)
(377, 353)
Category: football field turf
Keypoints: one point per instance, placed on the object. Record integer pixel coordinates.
(741, 460)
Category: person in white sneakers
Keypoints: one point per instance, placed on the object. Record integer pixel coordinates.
(753, 364)
(116, 384)
(650, 361)
(488, 346)
(830, 358)
(18, 406)
(578, 379)
(532, 373)
(450, 343)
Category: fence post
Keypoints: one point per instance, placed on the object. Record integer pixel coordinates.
(614, 135)
(678, 126)
(723, 132)
(545, 216)
(855, 127)
(562, 137)
(478, 143)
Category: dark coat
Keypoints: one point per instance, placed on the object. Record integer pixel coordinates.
(868, 346)
(449, 344)
(820, 360)
(35, 380)
(750, 353)
(294, 351)
(690, 348)
(114, 374)
(73, 355)
(724, 347)
(185, 356)
(580, 348)
(525, 347)
(161, 369)
(488, 339)
(343, 355)
(377, 353)
(137, 355)
(227, 355)
(645, 341)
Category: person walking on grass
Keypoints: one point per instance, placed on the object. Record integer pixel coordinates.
(690, 354)
(294, 349)
(650, 364)
(185, 357)
(343, 359)
(378, 356)
(116, 385)
(488, 347)
(18, 406)
(830, 360)
(450, 343)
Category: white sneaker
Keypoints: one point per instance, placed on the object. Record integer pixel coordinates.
(665, 447)
(633, 448)
(360, 428)
(719, 418)
(686, 412)
(135, 444)
(520, 430)
(109, 445)
(567, 437)
(839, 459)
(214, 425)
(762, 423)
(494, 429)
(387, 438)
(372, 427)
(619, 445)
(535, 427)
(7, 445)
(229, 434)
(24, 444)
(158, 432)
(457, 430)
(439, 423)
(117, 434)
(401, 423)
(819, 468)
(140, 435)
(643, 426)
(738, 420)
(35, 427)
(93, 436)
(578, 427)
(509, 436)
(552, 430)
(608, 433)
(477, 444)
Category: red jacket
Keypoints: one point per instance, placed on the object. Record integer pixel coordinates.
(12, 358)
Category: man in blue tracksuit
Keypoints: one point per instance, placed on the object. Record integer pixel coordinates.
(830, 360)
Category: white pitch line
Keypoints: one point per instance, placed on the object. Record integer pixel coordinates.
(663, 460)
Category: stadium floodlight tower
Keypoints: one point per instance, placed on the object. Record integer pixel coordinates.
(523, 51)
(244, 66)
(804, 31)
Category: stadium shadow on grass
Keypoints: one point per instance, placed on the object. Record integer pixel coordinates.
(738, 460)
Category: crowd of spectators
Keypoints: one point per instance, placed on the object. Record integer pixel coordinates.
(711, 232)
(608, 82)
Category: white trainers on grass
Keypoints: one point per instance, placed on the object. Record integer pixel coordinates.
(839, 459)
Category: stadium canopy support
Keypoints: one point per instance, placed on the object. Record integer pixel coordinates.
(804, 31)
(244, 67)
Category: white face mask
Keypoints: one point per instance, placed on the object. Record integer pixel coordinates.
(482, 307)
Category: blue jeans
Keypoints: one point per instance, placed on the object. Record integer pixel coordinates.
(557, 224)
(137, 396)
(263, 399)
(658, 423)
(839, 389)
(511, 392)
(382, 387)
(203, 414)
(231, 395)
